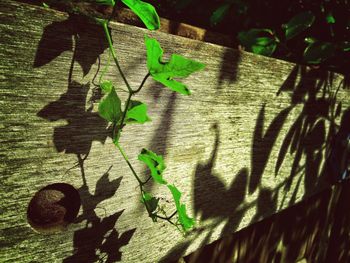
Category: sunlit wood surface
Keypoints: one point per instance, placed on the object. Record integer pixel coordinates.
(250, 141)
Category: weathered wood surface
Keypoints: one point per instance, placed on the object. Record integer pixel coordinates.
(249, 141)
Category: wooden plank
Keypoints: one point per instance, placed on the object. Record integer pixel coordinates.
(248, 116)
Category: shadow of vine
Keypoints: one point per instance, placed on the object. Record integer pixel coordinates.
(99, 240)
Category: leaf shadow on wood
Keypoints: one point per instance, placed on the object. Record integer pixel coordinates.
(83, 126)
(98, 240)
(229, 67)
(307, 137)
(58, 37)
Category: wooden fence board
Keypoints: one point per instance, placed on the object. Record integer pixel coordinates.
(248, 116)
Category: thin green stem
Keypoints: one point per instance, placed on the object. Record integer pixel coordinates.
(142, 83)
(114, 55)
(129, 164)
(145, 182)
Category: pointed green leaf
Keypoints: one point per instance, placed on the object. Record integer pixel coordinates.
(150, 201)
(105, 2)
(174, 85)
(155, 163)
(146, 12)
(106, 86)
(298, 24)
(110, 107)
(259, 41)
(186, 221)
(179, 66)
(154, 54)
(317, 52)
(137, 112)
(164, 72)
(219, 14)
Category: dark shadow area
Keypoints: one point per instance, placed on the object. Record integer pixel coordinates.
(229, 66)
(209, 190)
(83, 126)
(284, 237)
(58, 37)
(263, 143)
(308, 139)
(319, 150)
(98, 240)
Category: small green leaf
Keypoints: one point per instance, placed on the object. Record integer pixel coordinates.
(345, 46)
(155, 163)
(330, 18)
(317, 52)
(110, 107)
(310, 40)
(186, 222)
(219, 14)
(146, 12)
(259, 41)
(137, 112)
(45, 5)
(298, 24)
(150, 201)
(164, 72)
(106, 86)
(105, 2)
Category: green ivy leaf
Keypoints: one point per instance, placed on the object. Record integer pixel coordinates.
(106, 86)
(150, 201)
(186, 221)
(164, 72)
(155, 163)
(298, 24)
(330, 18)
(146, 12)
(137, 112)
(318, 51)
(105, 2)
(219, 14)
(259, 41)
(110, 107)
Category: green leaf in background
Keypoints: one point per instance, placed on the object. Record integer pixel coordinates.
(110, 107)
(345, 46)
(146, 12)
(105, 2)
(330, 18)
(164, 72)
(150, 201)
(259, 41)
(106, 86)
(186, 221)
(155, 163)
(318, 51)
(137, 112)
(219, 14)
(310, 40)
(298, 24)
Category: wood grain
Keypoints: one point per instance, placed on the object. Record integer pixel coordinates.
(250, 141)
